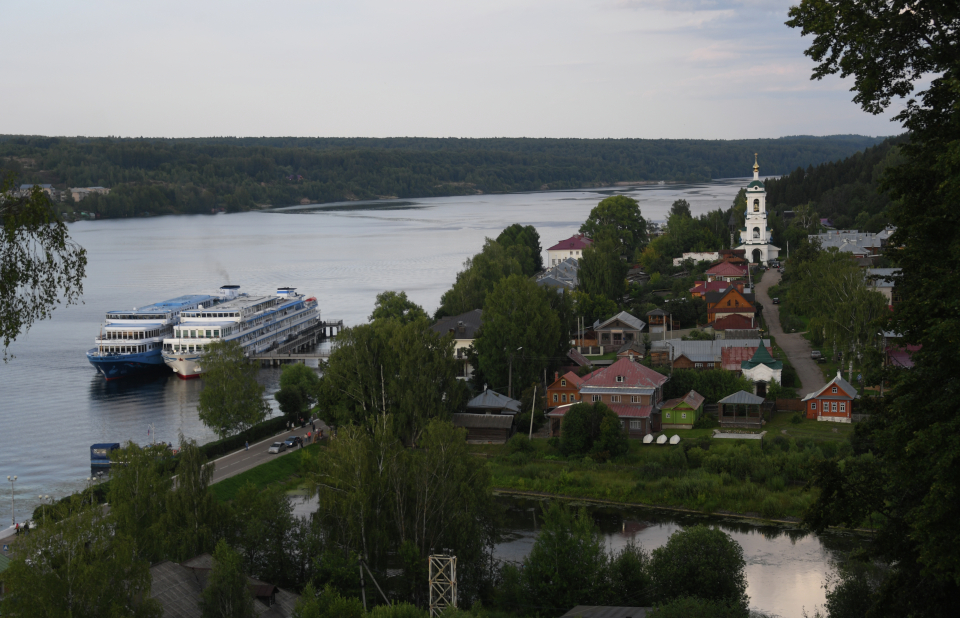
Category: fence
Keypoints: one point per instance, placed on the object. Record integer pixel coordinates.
(792, 405)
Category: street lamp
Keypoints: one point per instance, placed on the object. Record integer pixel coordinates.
(13, 513)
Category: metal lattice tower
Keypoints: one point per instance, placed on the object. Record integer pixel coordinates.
(443, 583)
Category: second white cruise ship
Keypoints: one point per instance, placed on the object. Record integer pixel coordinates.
(259, 323)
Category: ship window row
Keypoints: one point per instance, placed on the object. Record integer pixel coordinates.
(185, 348)
(133, 334)
(183, 333)
(128, 349)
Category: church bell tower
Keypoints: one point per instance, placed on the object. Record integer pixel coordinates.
(755, 234)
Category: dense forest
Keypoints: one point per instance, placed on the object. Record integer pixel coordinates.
(159, 176)
(846, 192)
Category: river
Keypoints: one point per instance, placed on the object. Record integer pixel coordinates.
(53, 403)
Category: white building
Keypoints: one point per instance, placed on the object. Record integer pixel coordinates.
(570, 248)
(79, 193)
(755, 234)
(464, 329)
(697, 256)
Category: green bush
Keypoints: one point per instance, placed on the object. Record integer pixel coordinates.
(519, 443)
(796, 419)
(268, 428)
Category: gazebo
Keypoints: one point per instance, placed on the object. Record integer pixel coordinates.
(741, 409)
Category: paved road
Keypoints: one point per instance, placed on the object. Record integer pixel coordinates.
(243, 460)
(234, 463)
(794, 345)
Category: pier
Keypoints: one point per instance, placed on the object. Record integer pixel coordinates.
(301, 349)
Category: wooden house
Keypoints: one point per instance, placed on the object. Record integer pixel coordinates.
(632, 391)
(618, 330)
(485, 428)
(833, 402)
(492, 402)
(729, 302)
(726, 271)
(564, 389)
(683, 412)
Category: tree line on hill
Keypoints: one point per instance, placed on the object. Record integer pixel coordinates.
(159, 176)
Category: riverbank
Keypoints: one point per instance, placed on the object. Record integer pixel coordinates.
(758, 479)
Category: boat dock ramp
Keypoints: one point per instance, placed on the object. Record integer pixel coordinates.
(302, 348)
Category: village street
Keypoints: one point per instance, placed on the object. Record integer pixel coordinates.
(794, 345)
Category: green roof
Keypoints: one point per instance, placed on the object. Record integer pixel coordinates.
(755, 183)
(761, 357)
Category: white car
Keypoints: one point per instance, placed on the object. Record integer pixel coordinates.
(277, 447)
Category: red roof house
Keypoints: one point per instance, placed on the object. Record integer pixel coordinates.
(731, 357)
(833, 402)
(570, 248)
(700, 288)
(735, 321)
(726, 271)
(632, 391)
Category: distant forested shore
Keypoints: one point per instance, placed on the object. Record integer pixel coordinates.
(148, 176)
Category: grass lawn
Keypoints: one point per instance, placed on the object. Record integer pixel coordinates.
(282, 470)
(608, 356)
(810, 429)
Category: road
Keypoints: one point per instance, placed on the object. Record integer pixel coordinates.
(793, 345)
(232, 464)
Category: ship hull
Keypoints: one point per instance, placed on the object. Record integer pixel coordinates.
(115, 366)
(184, 366)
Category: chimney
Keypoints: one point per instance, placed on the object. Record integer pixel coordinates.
(461, 328)
(556, 376)
(838, 374)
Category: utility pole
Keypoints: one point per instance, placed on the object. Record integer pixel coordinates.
(533, 408)
(363, 592)
(13, 513)
(510, 375)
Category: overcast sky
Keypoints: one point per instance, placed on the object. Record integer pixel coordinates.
(715, 69)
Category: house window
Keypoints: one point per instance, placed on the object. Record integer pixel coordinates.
(634, 398)
(683, 415)
(621, 424)
(619, 378)
(668, 416)
(555, 398)
(813, 405)
(595, 398)
(615, 399)
(636, 424)
(563, 398)
(843, 406)
(563, 382)
(834, 389)
(698, 365)
(833, 406)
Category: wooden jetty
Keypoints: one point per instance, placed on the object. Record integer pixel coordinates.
(301, 349)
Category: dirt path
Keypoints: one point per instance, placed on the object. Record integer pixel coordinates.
(794, 345)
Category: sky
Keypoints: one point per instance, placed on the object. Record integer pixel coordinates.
(708, 69)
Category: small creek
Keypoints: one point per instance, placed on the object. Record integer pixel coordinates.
(786, 566)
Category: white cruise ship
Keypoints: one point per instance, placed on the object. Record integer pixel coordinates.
(259, 323)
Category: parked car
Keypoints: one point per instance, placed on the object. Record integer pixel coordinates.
(277, 447)
(776, 300)
(816, 355)
(293, 441)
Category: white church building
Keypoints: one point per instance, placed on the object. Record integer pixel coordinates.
(755, 234)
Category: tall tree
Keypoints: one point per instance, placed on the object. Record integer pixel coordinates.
(523, 242)
(602, 270)
(520, 334)
(231, 399)
(833, 291)
(618, 216)
(299, 386)
(680, 208)
(193, 518)
(40, 266)
(480, 273)
(910, 480)
(79, 567)
(138, 495)
(407, 371)
(396, 306)
(700, 562)
(227, 594)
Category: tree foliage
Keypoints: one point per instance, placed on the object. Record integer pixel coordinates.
(602, 272)
(160, 176)
(618, 218)
(908, 481)
(478, 277)
(396, 306)
(388, 368)
(592, 428)
(517, 314)
(79, 567)
(226, 594)
(700, 562)
(713, 384)
(138, 494)
(527, 241)
(231, 399)
(40, 266)
(299, 387)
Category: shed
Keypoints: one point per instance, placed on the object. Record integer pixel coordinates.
(741, 409)
(492, 402)
(682, 412)
(485, 428)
